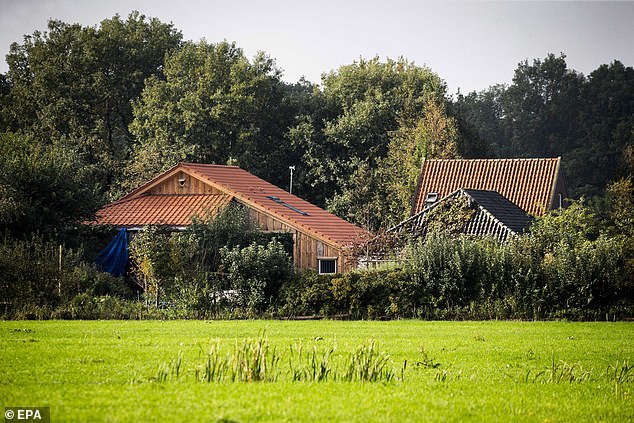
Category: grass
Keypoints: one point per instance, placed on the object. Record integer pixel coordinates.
(319, 370)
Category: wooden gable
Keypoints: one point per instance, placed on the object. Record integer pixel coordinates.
(183, 183)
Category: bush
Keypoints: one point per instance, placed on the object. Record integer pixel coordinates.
(256, 273)
(308, 294)
(368, 294)
(36, 273)
(182, 269)
(201, 297)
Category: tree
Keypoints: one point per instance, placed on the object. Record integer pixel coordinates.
(481, 113)
(434, 135)
(359, 106)
(77, 83)
(43, 187)
(550, 110)
(607, 123)
(151, 256)
(541, 108)
(214, 106)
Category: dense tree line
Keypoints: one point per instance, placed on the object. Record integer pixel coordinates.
(550, 110)
(89, 113)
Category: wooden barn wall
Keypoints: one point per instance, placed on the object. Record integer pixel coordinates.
(306, 246)
(191, 186)
(560, 188)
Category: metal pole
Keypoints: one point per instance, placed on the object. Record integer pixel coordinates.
(290, 187)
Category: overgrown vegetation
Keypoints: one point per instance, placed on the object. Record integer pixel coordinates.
(572, 265)
(87, 113)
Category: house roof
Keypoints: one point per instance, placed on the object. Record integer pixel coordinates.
(240, 185)
(494, 215)
(528, 183)
(501, 209)
(170, 210)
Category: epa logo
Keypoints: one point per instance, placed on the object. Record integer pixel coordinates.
(27, 414)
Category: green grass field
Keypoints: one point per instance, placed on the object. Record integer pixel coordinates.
(469, 371)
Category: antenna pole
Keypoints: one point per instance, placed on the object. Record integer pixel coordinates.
(290, 186)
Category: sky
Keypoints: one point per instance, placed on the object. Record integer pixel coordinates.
(470, 44)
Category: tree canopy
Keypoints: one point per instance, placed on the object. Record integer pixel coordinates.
(88, 113)
(551, 110)
(214, 106)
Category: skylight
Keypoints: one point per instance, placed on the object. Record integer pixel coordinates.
(295, 209)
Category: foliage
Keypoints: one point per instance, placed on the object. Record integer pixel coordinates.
(571, 226)
(150, 257)
(550, 110)
(434, 135)
(551, 92)
(185, 269)
(214, 106)
(348, 131)
(43, 188)
(256, 272)
(564, 268)
(449, 217)
(87, 306)
(379, 193)
(620, 204)
(38, 273)
(226, 227)
(620, 199)
(76, 83)
(308, 294)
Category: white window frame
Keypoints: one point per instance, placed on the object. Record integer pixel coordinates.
(319, 261)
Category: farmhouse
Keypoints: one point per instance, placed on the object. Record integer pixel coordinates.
(321, 239)
(534, 185)
(474, 212)
(499, 196)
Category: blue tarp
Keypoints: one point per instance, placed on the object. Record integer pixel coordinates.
(114, 258)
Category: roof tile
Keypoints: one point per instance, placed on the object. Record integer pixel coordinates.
(234, 182)
(528, 183)
(166, 209)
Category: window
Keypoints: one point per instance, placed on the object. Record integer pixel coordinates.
(279, 201)
(327, 266)
(431, 198)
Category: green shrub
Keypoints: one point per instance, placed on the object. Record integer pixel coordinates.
(88, 307)
(256, 273)
(36, 273)
(308, 294)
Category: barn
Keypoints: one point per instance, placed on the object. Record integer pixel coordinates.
(503, 195)
(535, 185)
(321, 240)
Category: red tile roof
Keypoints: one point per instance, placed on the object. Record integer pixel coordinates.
(254, 192)
(169, 210)
(528, 183)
